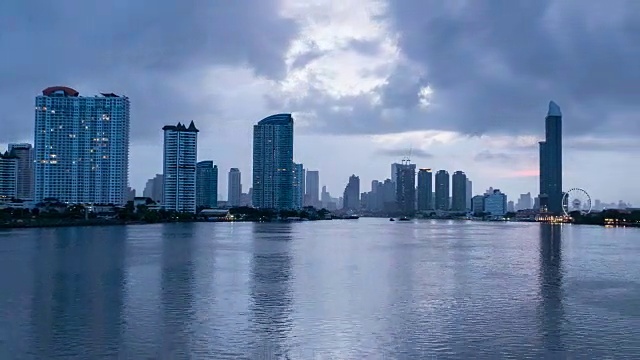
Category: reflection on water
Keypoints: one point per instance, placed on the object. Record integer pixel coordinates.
(336, 289)
(77, 297)
(552, 316)
(177, 291)
(270, 290)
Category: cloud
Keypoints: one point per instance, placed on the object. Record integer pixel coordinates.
(149, 52)
(401, 153)
(487, 67)
(487, 156)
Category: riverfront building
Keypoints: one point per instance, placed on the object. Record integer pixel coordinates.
(273, 162)
(179, 167)
(81, 147)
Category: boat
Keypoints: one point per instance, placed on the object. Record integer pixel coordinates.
(404, 218)
(392, 219)
(352, 217)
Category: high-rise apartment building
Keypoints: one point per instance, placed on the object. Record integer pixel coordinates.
(442, 190)
(459, 191)
(273, 162)
(298, 186)
(312, 188)
(179, 168)
(153, 188)
(406, 188)
(234, 187)
(351, 196)
(25, 186)
(81, 147)
(206, 184)
(551, 162)
(8, 177)
(425, 189)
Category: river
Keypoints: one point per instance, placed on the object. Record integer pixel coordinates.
(351, 289)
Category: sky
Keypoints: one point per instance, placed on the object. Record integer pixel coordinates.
(456, 84)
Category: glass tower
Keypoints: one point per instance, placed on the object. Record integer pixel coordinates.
(551, 162)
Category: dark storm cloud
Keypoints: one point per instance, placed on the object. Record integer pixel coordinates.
(146, 50)
(494, 66)
(396, 153)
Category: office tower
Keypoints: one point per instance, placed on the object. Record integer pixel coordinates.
(551, 162)
(298, 186)
(477, 204)
(8, 176)
(351, 198)
(394, 172)
(469, 193)
(154, 187)
(495, 203)
(234, 187)
(206, 184)
(81, 147)
(425, 189)
(459, 191)
(389, 196)
(442, 190)
(312, 188)
(179, 167)
(406, 187)
(511, 206)
(24, 152)
(273, 162)
(524, 202)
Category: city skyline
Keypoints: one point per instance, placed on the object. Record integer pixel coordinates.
(357, 84)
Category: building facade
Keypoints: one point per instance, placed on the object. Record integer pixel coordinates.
(234, 187)
(406, 188)
(442, 190)
(477, 204)
(551, 192)
(153, 188)
(459, 191)
(312, 188)
(81, 147)
(25, 186)
(351, 196)
(206, 184)
(425, 189)
(179, 167)
(273, 162)
(8, 177)
(298, 186)
(495, 203)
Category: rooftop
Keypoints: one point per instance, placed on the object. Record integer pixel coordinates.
(277, 119)
(554, 109)
(181, 127)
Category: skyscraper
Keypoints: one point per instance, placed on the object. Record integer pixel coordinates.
(551, 162)
(425, 189)
(312, 188)
(442, 190)
(8, 177)
(24, 153)
(406, 188)
(206, 184)
(298, 186)
(459, 191)
(351, 197)
(273, 162)
(180, 158)
(469, 193)
(234, 187)
(154, 187)
(81, 147)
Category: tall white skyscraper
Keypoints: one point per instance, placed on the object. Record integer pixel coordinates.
(273, 162)
(81, 147)
(180, 159)
(24, 153)
(234, 187)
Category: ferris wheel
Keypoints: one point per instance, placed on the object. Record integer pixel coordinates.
(576, 199)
